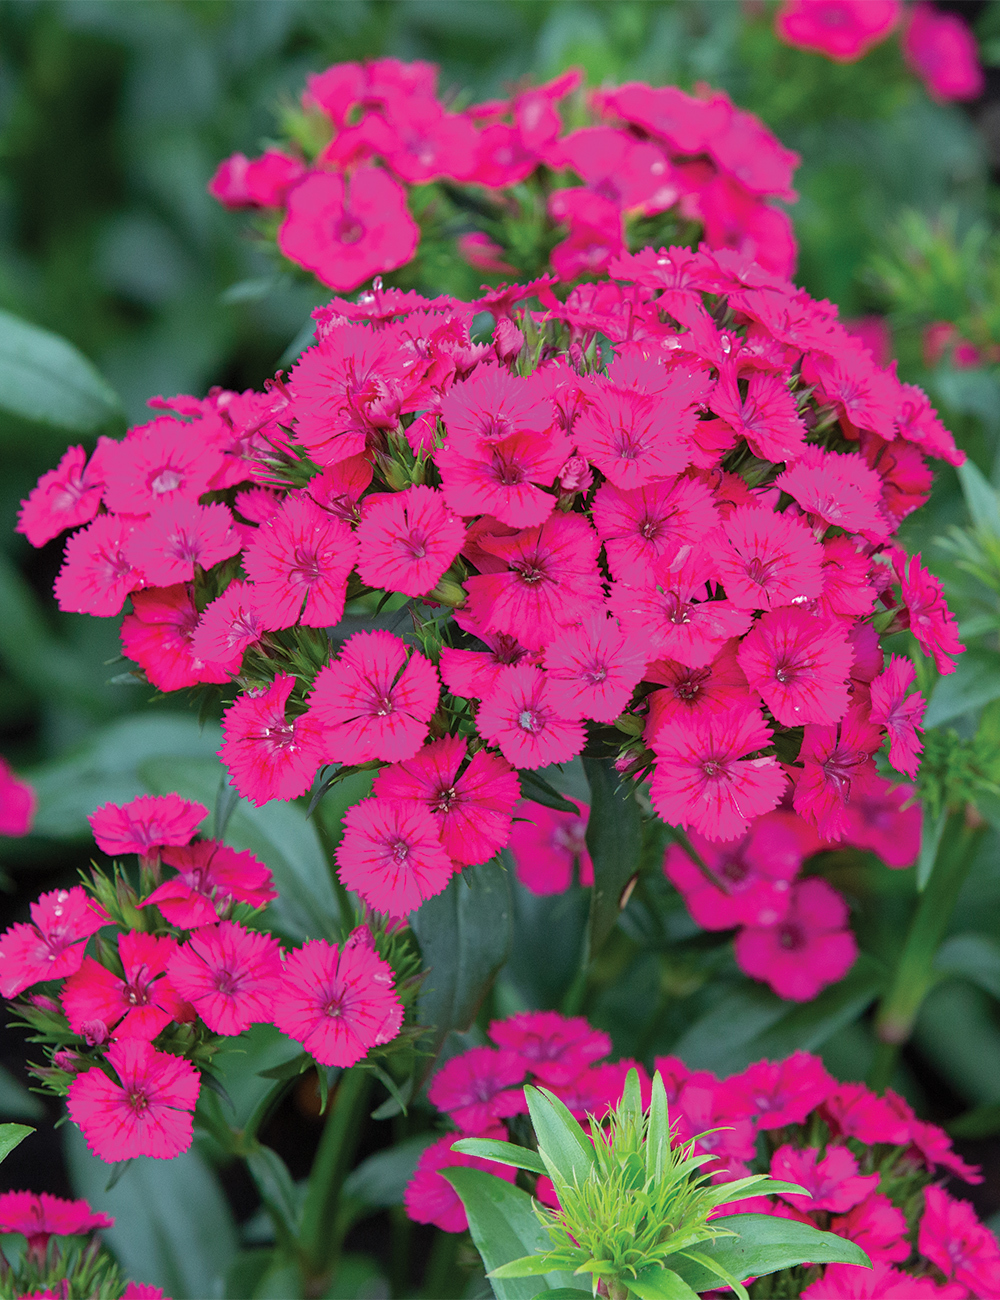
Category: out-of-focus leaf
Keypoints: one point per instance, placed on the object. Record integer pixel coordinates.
(767, 1244)
(976, 956)
(16, 1100)
(106, 768)
(279, 834)
(614, 841)
(980, 497)
(980, 1122)
(173, 1227)
(45, 379)
(12, 1135)
(277, 1190)
(464, 936)
(956, 1031)
(931, 830)
(538, 790)
(975, 682)
(380, 1180)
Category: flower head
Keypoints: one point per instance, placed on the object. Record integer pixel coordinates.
(41, 1216)
(407, 540)
(229, 974)
(429, 1198)
(146, 824)
(768, 560)
(808, 949)
(549, 847)
(267, 756)
(136, 1006)
(391, 854)
(52, 946)
(800, 666)
(479, 1087)
(520, 717)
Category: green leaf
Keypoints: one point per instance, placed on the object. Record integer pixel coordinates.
(506, 1153)
(974, 683)
(173, 1227)
(16, 1100)
(765, 1244)
(12, 1135)
(538, 790)
(562, 1143)
(660, 1284)
(277, 1190)
(45, 379)
(380, 1181)
(504, 1227)
(614, 841)
(975, 956)
(528, 1266)
(981, 498)
(464, 936)
(658, 1135)
(930, 841)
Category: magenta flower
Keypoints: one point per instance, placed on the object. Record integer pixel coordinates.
(549, 847)
(880, 1282)
(837, 767)
(228, 625)
(555, 1049)
(838, 490)
(767, 560)
(165, 460)
(145, 1110)
(942, 51)
(778, 1093)
(159, 636)
(346, 231)
(706, 778)
(299, 562)
(592, 670)
(479, 1087)
(807, 950)
(407, 540)
(877, 1226)
(177, 536)
(931, 621)
(952, 1237)
(505, 477)
(267, 756)
(41, 1216)
(767, 417)
(712, 690)
(229, 974)
(338, 1002)
(374, 701)
(210, 876)
(472, 803)
(474, 673)
(146, 824)
(800, 666)
(644, 528)
(492, 405)
(136, 1006)
(64, 497)
(391, 854)
(832, 1183)
(52, 946)
(853, 1111)
(97, 573)
(17, 802)
(429, 1198)
(519, 717)
(885, 818)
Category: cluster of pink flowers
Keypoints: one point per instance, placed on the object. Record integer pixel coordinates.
(872, 1170)
(687, 556)
(646, 154)
(938, 46)
(175, 968)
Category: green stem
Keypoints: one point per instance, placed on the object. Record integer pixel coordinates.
(317, 1240)
(914, 975)
(439, 1279)
(347, 913)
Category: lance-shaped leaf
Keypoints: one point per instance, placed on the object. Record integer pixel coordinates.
(505, 1153)
(660, 1284)
(562, 1143)
(12, 1135)
(766, 1244)
(658, 1134)
(614, 842)
(44, 378)
(538, 790)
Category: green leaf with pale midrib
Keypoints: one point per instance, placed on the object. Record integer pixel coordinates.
(45, 379)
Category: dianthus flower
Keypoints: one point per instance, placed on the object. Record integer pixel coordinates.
(97, 573)
(64, 497)
(210, 876)
(159, 636)
(767, 417)
(227, 626)
(479, 1087)
(267, 756)
(880, 1282)
(831, 1183)
(347, 230)
(555, 1049)
(843, 30)
(299, 562)
(406, 540)
(145, 1111)
(800, 666)
(17, 802)
(941, 49)
(852, 1110)
(808, 949)
(429, 1198)
(229, 974)
(877, 1226)
(886, 819)
(704, 779)
(146, 824)
(492, 405)
(472, 803)
(374, 701)
(177, 536)
(549, 847)
(767, 560)
(931, 621)
(41, 1216)
(165, 460)
(338, 1002)
(713, 689)
(592, 670)
(391, 854)
(504, 478)
(644, 527)
(952, 1237)
(778, 1093)
(837, 489)
(136, 1006)
(52, 946)
(836, 767)
(520, 717)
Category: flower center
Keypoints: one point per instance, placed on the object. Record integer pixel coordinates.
(168, 480)
(528, 720)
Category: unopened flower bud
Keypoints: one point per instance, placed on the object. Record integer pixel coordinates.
(95, 1033)
(507, 341)
(575, 475)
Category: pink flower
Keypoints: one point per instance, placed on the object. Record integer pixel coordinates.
(228, 625)
(832, 1183)
(472, 803)
(549, 847)
(838, 489)
(374, 701)
(836, 768)
(338, 1002)
(267, 756)
(474, 673)
(931, 621)
(810, 948)
(592, 670)
(346, 232)
(64, 497)
(877, 818)
(555, 1049)
(843, 30)
(299, 562)
(159, 636)
(479, 1087)
(778, 1093)
(136, 1006)
(145, 1111)
(880, 1282)
(767, 560)
(550, 580)
(484, 253)
(504, 477)
(391, 855)
(754, 873)
(491, 405)
(210, 877)
(261, 183)
(429, 1198)
(877, 1226)
(407, 540)
(942, 51)
(97, 573)
(41, 1216)
(703, 777)
(952, 1237)
(767, 417)
(17, 802)
(854, 1111)
(713, 689)
(520, 717)
(229, 974)
(800, 666)
(648, 526)
(51, 947)
(146, 824)
(162, 461)
(179, 535)
(142, 1291)
(596, 232)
